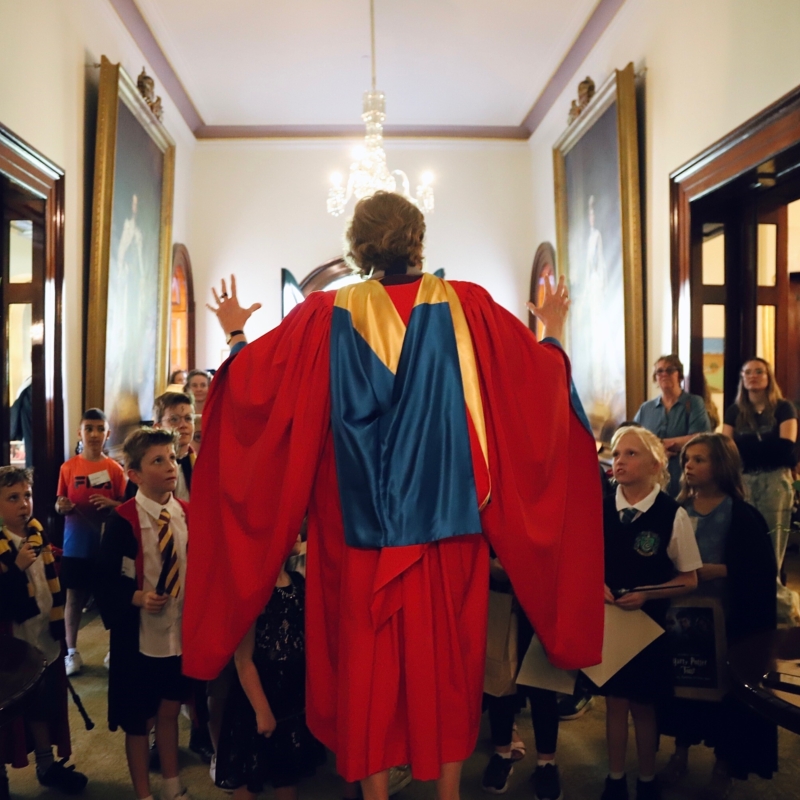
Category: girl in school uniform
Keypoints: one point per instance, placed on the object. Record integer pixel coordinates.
(739, 571)
(649, 542)
(264, 740)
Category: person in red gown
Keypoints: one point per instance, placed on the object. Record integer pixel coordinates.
(396, 584)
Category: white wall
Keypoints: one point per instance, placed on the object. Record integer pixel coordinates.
(259, 206)
(711, 64)
(47, 49)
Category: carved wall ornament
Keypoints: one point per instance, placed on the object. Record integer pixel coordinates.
(147, 89)
(585, 94)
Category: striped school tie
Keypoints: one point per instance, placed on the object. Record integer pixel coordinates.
(168, 582)
(627, 515)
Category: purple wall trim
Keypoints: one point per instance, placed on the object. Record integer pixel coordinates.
(138, 28)
(349, 131)
(593, 29)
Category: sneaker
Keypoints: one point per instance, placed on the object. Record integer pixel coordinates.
(571, 706)
(648, 790)
(675, 769)
(73, 663)
(496, 774)
(65, 779)
(228, 786)
(107, 660)
(615, 789)
(399, 778)
(200, 743)
(546, 782)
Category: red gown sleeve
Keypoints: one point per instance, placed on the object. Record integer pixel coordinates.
(264, 426)
(544, 520)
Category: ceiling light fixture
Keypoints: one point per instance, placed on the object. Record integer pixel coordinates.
(368, 172)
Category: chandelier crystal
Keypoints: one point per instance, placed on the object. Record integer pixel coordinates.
(369, 172)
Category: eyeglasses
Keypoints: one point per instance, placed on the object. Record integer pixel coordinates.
(176, 420)
(666, 371)
(758, 371)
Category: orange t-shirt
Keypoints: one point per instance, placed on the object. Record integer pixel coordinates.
(78, 480)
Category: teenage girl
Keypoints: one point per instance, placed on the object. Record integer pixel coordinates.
(738, 570)
(649, 543)
(264, 739)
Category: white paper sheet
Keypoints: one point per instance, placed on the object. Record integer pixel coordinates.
(626, 634)
(537, 671)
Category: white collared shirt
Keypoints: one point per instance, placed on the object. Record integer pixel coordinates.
(682, 549)
(160, 634)
(36, 630)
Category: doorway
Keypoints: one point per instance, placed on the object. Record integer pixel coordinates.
(736, 255)
(31, 270)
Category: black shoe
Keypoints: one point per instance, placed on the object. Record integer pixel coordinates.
(574, 706)
(615, 789)
(546, 783)
(155, 758)
(200, 743)
(496, 774)
(648, 790)
(65, 779)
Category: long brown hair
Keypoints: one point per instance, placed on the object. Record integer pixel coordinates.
(746, 419)
(726, 466)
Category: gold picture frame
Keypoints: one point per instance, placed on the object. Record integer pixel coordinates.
(127, 335)
(599, 240)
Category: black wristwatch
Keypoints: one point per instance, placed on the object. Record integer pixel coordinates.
(234, 333)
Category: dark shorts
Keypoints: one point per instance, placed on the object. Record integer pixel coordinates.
(77, 574)
(156, 679)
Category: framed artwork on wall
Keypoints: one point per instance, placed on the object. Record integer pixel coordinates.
(127, 336)
(599, 240)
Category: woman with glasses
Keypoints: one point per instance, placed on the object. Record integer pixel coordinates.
(764, 427)
(674, 416)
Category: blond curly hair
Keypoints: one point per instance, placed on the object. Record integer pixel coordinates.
(651, 443)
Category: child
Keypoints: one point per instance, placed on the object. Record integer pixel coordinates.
(32, 609)
(739, 570)
(649, 541)
(264, 735)
(89, 486)
(173, 411)
(141, 573)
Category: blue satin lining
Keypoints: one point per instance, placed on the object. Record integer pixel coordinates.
(403, 457)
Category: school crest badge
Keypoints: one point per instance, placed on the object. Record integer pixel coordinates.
(647, 543)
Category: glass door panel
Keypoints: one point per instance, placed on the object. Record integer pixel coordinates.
(20, 372)
(767, 263)
(765, 333)
(714, 354)
(713, 255)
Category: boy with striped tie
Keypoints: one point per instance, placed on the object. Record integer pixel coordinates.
(32, 609)
(142, 568)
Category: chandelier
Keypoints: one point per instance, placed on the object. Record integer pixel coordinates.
(368, 172)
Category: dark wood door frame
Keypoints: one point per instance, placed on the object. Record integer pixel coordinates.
(39, 176)
(756, 141)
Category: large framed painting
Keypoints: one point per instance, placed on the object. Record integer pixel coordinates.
(127, 336)
(598, 229)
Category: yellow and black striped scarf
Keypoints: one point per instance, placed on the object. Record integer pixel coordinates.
(8, 554)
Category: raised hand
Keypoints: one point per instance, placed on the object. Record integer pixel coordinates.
(552, 313)
(231, 316)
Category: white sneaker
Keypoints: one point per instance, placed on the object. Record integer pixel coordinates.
(107, 659)
(73, 663)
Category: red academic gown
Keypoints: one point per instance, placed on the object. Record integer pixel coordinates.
(395, 637)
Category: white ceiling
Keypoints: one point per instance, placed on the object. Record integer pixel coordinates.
(306, 62)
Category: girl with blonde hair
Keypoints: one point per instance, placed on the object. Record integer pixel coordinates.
(649, 544)
(738, 569)
(764, 428)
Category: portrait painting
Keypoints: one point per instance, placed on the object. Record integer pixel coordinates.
(127, 334)
(599, 244)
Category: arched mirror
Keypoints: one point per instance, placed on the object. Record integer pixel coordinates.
(181, 339)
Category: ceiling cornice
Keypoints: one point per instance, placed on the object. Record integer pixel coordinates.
(594, 28)
(350, 131)
(137, 26)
